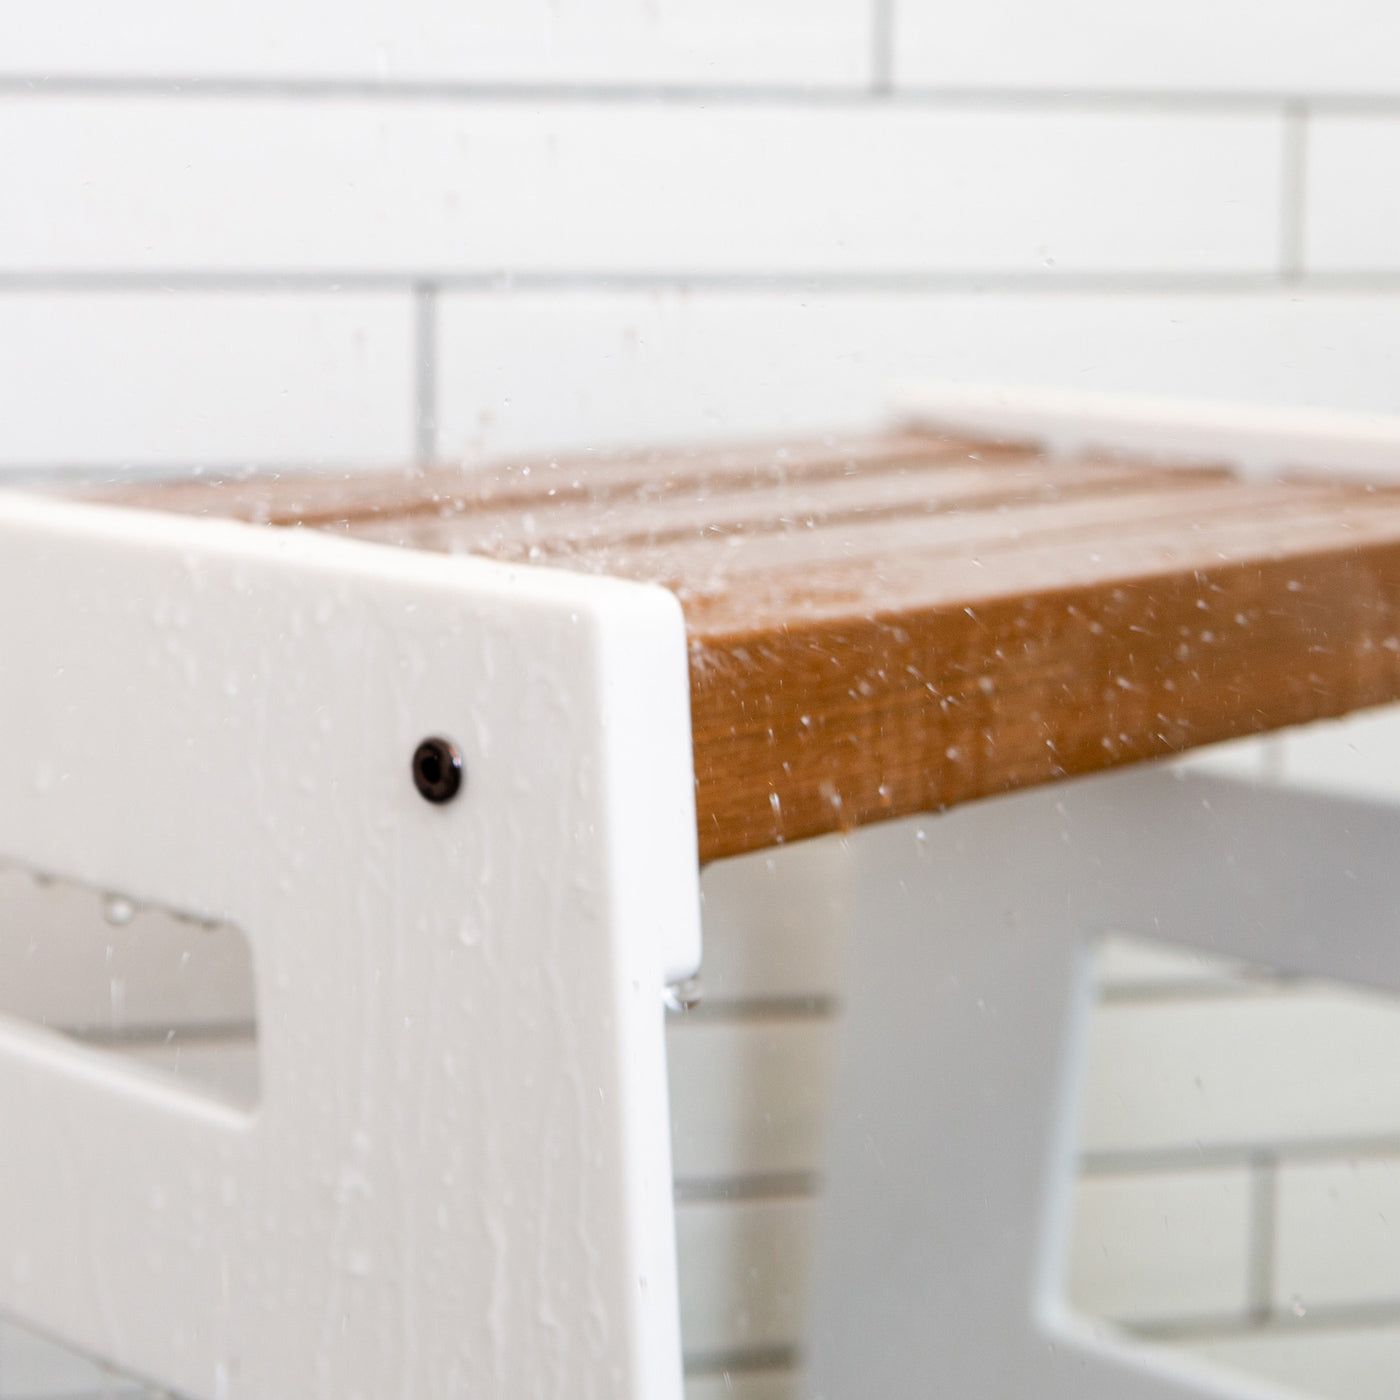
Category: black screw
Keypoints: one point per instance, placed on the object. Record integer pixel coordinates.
(437, 770)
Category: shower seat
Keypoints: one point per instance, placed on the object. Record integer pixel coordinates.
(449, 750)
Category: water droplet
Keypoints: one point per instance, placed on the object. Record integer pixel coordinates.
(118, 911)
(683, 996)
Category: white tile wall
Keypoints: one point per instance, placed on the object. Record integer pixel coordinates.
(665, 218)
(1217, 1071)
(170, 378)
(1196, 46)
(439, 41)
(534, 369)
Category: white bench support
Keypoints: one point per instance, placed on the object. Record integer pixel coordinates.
(458, 1179)
(953, 1124)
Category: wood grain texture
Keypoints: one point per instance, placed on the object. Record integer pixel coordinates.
(894, 625)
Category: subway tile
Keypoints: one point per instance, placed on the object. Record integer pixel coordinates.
(527, 371)
(1125, 965)
(767, 1384)
(748, 1098)
(1161, 1246)
(1353, 209)
(432, 186)
(1350, 1363)
(744, 1268)
(1306, 1065)
(1358, 756)
(719, 42)
(175, 380)
(774, 922)
(1254, 759)
(1338, 1242)
(1196, 46)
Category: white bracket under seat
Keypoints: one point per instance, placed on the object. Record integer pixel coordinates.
(953, 1130)
(458, 1179)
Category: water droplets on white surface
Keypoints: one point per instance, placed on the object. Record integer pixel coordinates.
(118, 910)
(683, 996)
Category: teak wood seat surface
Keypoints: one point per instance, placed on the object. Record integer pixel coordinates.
(893, 625)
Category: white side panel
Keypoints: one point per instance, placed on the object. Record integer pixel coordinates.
(458, 1180)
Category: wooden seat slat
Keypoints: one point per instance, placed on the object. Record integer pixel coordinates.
(892, 625)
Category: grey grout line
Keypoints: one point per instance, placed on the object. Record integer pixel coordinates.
(624, 92)
(740, 1359)
(780, 282)
(1136, 1161)
(777, 281)
(1226, 1326)
(882, 21)
(1293, 193)
(1243, 988)
(1263, 1226)
(425, 385)
(820, 92)
(132, 1037)
(765, 1186)
(735, 1010)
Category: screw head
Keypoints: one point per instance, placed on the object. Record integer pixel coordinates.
(437, 770)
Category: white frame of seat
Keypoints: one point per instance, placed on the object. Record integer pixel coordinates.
(941, 1251)
(458, 1179)
(1254, 440)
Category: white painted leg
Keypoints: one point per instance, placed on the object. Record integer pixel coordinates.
(953, 1132)
(457, 1181)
